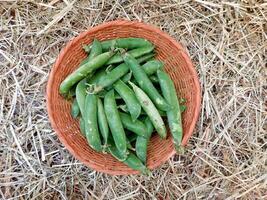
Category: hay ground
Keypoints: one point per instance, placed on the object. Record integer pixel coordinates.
(226, 158)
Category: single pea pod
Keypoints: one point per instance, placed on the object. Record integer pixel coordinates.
(84, 70)
(152, 66)
(91, 125)
(129, 98)
(115, 124)
(145, 83)
(82, 126)
(131, 160)
(100, 74)
(81, 95)
(111, 77)
(174, 114)
(141, 143)
(125, 43)
(135, 53)
(75, 110)
(151, 110)
(145, 57)
(102, 122)
(136, 126)
(95, 51)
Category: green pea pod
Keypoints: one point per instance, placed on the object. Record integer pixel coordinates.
(151, 110)
(135, 126)
(115, 123)
(154, 79)
(91, 125)
(95, 51)
(135, 53)
(141, 143)
(125, 43)
(152, 66)
(112, 77)
(144, 82)
(129, 98)
(75, 110)
(81, 95)
(145, 57)
(102, 122)
(84, 70)
(173, 115)
(82, 126)
(96, 77)
(131, 160)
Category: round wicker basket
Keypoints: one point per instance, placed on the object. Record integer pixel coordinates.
(177, 64)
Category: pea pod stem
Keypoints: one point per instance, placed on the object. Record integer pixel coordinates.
(174, 114)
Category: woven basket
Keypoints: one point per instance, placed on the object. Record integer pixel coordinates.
(177, 64)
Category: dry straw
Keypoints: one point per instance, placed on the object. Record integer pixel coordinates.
(225, 158)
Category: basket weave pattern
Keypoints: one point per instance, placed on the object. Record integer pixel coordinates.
(177, 64)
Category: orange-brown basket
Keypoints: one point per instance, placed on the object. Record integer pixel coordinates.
(177, 64)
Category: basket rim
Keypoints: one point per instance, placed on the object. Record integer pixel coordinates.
(68, 46)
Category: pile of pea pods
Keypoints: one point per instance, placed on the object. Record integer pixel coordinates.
(120, 93)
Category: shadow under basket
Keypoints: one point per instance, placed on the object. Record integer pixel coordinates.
(177, 64)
